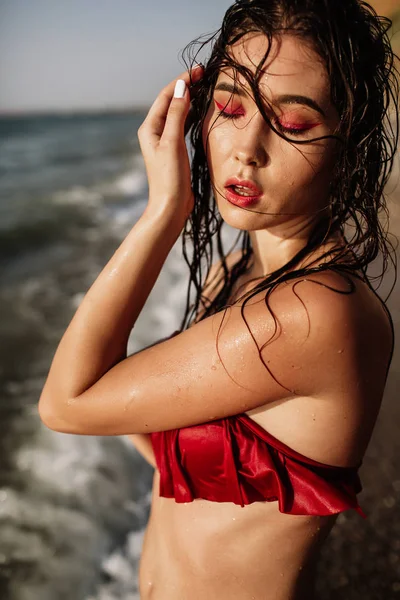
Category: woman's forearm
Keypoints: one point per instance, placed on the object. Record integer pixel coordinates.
(97, 336)
(96, 339)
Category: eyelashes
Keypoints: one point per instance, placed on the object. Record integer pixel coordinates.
(239, 112)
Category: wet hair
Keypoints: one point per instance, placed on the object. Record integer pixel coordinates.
(353, 42)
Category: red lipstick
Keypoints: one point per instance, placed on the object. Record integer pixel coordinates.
(242, 192)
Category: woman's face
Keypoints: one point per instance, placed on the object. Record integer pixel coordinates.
(290, 181)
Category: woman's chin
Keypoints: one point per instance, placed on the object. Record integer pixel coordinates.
(245, 219)
(236, 217)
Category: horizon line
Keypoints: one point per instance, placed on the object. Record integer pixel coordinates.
(6, 113)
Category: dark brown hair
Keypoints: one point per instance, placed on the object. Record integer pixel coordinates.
(354, 44)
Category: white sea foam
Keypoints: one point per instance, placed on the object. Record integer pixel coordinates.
(131, 183)
(78, 195)
(121, 571)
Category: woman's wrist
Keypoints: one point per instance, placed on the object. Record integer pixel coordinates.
(162, 214)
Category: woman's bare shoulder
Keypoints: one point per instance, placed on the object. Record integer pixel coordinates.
(349, 297)
(347, 315)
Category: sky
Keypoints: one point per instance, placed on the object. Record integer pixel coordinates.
(95, 54)
(99, 54)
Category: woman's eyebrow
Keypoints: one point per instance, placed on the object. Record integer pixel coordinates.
(224, 86)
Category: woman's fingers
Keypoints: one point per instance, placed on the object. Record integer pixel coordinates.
(155, 121)
(177, 112)
(162, 142)
(157, 115)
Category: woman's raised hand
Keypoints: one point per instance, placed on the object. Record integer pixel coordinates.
(162, 142)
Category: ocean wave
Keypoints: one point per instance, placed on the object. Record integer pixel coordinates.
(78, 195)
(65, 214)
(132, 182)
(31, 235)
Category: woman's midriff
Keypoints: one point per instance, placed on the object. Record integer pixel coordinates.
(205, 550)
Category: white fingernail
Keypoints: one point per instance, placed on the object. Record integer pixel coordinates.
(180, 88)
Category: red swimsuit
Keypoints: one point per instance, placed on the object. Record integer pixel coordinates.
(235, 460)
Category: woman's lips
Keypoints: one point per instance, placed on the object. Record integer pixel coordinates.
(251, 191)
(239, 200)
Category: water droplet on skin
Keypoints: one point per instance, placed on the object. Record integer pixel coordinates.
(233, 518)
(213, 368)
(340, 351)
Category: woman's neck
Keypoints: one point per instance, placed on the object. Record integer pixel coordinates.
(270, 252)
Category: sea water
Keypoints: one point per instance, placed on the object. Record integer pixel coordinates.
(72, 508)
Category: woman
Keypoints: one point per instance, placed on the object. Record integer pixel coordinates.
(257, 414)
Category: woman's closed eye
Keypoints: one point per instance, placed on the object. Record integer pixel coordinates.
(228, 111)
(284, 125)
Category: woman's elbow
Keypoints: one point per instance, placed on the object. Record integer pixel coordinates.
(51, 419)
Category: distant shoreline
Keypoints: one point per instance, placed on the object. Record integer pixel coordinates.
(72, 112)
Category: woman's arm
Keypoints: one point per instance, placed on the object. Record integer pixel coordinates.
(215, 368)
(142, 441)
(97, 336)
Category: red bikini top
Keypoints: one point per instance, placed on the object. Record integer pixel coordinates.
(235, 460)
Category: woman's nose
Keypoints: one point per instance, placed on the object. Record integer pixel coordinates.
(250, 142)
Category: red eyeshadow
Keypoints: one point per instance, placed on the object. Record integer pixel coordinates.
(227, 108)
(299, 126)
